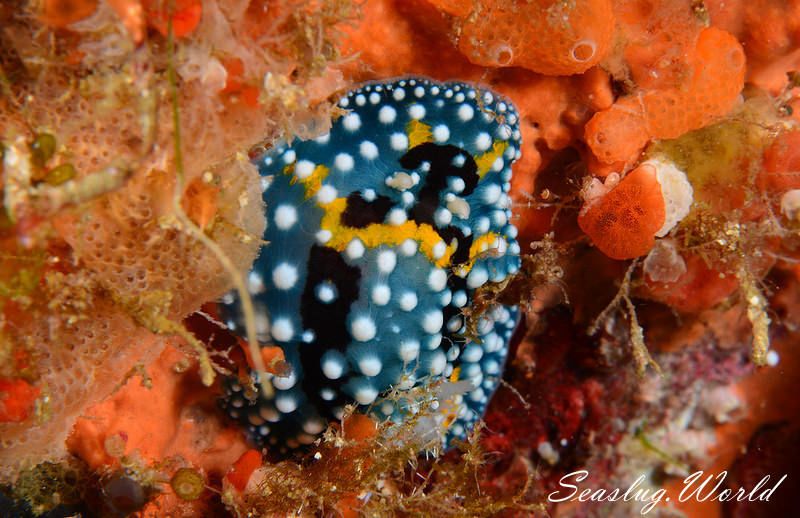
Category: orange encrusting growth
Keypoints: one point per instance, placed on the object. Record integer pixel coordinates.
(622, 224)
(557, 38)
(717, 78)
(17, 399)
(174, 417)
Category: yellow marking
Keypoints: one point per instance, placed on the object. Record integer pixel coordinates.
(486, 160)
(479, 246)
(310, 184)
(378, 234)
(418, 133)
(454, 376)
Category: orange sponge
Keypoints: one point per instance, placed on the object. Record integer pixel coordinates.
(717, 78)
(547, 36)
(623, 222)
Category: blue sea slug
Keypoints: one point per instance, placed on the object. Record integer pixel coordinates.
(379, 232)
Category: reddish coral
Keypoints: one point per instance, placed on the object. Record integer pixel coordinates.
(623, 223)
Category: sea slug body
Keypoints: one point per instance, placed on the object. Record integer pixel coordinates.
(378, 235)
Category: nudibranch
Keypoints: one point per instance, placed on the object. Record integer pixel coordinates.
(378, 234)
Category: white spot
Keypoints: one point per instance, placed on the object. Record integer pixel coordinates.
(343, 162)
(369, 194)
(255, 283)
(441, 133)
(314, 426)
(477, 277)
(409, 350)
(282, 329)
(483, 141)
(387, 260)
(439, 249)
(374, 98)
(284, 382)
(437, 279)
(432, 322)
(397, 217)
(387, 115)
(456, 185)
(284, 276)
(398, 141)
(265, 182)
(355, 249)
(381, 294)
(363, 329)
(416, 111)
(473, 353)
(465, 112)
(368, 150)
(492, 193)
(308, 336)
(286, 403)
(408, 301)
(332, 365)
(370, 365)
(442, 217)
(351, 121)
(482, 225)
(366, 395)
(459, 160)
(399, 94)
(289, 157)
(454, 324)
(459, 98)
(262, 326)
(361, 100)
(408, 247)
(498, 164)
(323, 139)
(323, 236)
(326, 292)
(285, 216)
(503, 132)
(304, 169)
(773, 358)
(326, 194)
(419, 91)
(434, 341)
(327, 394)
(437, 363)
